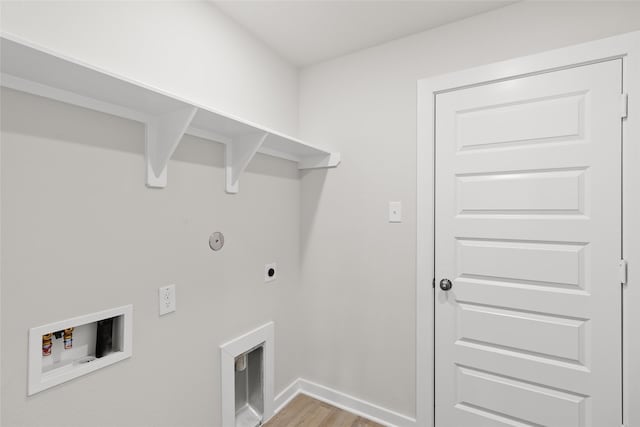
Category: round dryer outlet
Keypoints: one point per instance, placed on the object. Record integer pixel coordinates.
(216, 241)
(270, 272)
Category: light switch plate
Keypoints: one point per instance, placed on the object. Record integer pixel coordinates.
(167, 299)
(395, 211)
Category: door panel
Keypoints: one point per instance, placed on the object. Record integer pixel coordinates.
(510, 329)
(528, 229)
(523, 401)
(534, 192)
(483, 127)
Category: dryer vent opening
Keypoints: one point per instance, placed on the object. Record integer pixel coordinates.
(249, 391)
(246, 378)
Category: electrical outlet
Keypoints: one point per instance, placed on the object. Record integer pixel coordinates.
(270, 272)
(395, 211)
(167, 299)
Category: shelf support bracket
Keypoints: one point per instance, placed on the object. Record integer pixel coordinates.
(163, 134)
(238, 154)
(330, 160)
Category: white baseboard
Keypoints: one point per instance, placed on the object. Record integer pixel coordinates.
(343, 401)
(286, 396)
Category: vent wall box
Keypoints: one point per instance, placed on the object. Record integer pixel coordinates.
(247, 368)
(249, 389)
(64, 364)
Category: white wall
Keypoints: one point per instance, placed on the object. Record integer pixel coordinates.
(187, 48)
(81, 232)
(77, 220)
(358, 270)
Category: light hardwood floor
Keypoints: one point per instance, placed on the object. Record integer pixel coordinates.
(305, 411)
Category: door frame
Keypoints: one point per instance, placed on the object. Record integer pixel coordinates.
(626, 47)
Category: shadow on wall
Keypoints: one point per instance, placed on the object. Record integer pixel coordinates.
(45, 119)
(313, 184)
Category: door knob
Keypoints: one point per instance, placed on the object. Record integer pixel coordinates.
(445, 284)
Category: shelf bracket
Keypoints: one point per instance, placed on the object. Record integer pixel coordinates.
(238, 154)
(330, 160)
(163, 134)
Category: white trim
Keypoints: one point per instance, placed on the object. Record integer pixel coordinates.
(38, 89)
(330, 160)
(0, 271)
(275, 153)
(343, 401)
(162, 136)
(285, 396)
(357, 406)
(625, 46)
(34, 46)
(208, 135)
(264, 335)
(631, 238)
(424, 264)
(151, 122)
(238, 155)
(39, 381)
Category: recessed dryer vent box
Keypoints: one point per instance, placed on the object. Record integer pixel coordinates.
(249, 388)
(97, 340)
(247, 368)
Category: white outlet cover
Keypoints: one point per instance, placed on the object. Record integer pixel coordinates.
(167, 299)
(395, 211)
(267, 270)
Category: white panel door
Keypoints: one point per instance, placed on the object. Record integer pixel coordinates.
(528, 230)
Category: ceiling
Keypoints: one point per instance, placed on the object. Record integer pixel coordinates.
(309, 31)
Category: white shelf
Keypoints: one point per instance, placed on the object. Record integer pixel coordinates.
(39, 71)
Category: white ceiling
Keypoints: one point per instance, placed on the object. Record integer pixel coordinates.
(309, 31)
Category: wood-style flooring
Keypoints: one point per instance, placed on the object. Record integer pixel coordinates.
(305, 411)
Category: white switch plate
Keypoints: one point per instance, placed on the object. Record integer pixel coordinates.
(167, 299)
(395, 211)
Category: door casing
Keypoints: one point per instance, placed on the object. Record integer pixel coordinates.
(626, 47)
